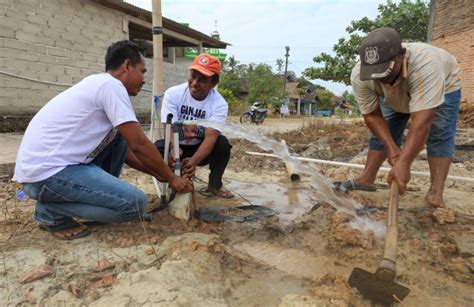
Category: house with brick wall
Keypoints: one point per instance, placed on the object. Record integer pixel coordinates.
(452, 29)
(48, 45)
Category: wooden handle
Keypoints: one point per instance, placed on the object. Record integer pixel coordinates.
(386, 270)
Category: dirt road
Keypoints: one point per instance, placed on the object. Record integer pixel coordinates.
(300, 257)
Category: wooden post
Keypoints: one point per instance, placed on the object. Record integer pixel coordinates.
(158, 84)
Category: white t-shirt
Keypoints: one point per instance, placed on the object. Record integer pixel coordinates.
(178, 101)
(431, 73)
(73, 127)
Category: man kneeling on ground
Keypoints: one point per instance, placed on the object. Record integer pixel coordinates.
(74, 148)
(199, 100)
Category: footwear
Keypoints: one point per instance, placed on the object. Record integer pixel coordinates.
(222, 192)
(67, 231)
(350, 185)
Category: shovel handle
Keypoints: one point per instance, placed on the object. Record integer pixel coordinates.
(386, 269)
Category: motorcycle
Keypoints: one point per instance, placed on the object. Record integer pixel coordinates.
(254, 114)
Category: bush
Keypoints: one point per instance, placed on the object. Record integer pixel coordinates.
(235, 106)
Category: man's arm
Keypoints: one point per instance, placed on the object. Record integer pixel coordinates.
(148, 156)
(132, 161)
(378, 125)
(415, 141)
(210, 138)
(189, 164)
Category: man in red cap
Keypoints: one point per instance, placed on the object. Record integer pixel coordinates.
(199, 100)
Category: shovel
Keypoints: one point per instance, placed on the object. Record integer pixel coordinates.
(380, 287)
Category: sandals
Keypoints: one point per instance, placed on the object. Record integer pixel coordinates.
(222, 192)
(69, 230)
(350, 185)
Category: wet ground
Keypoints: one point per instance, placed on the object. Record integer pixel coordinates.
(300, 257)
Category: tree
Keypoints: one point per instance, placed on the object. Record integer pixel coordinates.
(230, 64)
(264, 86)
(279, 65)
(409, 18)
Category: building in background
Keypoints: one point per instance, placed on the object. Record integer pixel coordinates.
(452, 29)
(49, 45)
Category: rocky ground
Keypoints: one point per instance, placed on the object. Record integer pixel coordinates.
(301, 257)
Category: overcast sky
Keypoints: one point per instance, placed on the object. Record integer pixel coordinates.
(259, 30)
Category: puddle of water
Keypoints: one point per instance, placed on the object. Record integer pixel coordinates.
(321, 185)
(289, 202)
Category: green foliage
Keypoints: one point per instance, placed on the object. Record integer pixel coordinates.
(235, 106)
(326, 100)
(409, 18)
(231, 82)
(264, 86)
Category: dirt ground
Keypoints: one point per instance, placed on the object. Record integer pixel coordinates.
(301, 257)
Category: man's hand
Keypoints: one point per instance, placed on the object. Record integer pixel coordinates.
(400, 172)
(181, 184)
(393, 155)
(188, 168)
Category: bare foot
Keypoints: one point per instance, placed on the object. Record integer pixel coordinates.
(435, 201)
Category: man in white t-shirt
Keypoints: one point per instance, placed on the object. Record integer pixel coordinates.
(395, 82)
(198, 99)
(73, 150)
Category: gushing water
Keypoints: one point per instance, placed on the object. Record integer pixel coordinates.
(322, 185)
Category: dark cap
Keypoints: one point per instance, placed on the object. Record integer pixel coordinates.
(377, 52)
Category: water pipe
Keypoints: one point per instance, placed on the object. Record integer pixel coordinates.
(360, 166)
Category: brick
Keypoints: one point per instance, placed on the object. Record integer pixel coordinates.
(27, 56)
(15, 14)
(72, 71)
(10, 23)
(47, 41)
(63, 43)
(6, 3)
(37, 67)
(96, 67)
(32, 28)
(26, 37)
(56, 70)
(37, 19)
(47, 77)
(19, 45)
(18, 83)
(17, 64)
(65, 80)
(11, 93)
(5, 32)
(56, 51)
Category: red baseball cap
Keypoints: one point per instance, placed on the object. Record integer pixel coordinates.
(206, 64)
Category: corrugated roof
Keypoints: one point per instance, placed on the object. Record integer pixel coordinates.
(130, 9)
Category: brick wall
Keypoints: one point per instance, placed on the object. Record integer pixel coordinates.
(453, 30)
(59, 42)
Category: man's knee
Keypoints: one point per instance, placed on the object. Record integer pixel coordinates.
(135, 206)
(222, 145)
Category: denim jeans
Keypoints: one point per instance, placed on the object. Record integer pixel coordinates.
(89, 191)
(441, 139)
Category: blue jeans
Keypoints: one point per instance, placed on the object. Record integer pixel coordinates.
(441, 139)
(89, 191)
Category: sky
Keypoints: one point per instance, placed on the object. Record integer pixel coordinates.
(259, 30)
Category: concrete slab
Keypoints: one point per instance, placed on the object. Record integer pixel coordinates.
(9, 143)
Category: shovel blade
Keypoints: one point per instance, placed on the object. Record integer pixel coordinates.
(376, 290)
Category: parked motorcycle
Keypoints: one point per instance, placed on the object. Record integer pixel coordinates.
(254, 114)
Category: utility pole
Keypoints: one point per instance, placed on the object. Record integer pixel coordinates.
(158, 84)
(286, 66)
